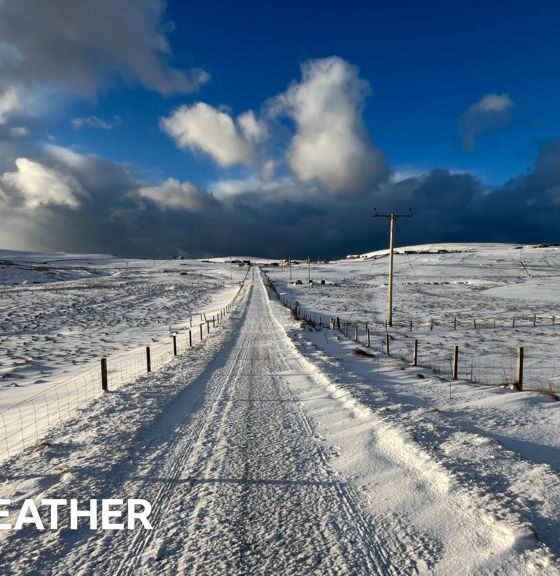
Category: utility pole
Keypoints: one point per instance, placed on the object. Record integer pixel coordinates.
(392, 217)
(309, 273)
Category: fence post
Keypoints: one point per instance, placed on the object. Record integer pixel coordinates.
(513, 323)
(455, 362)
(455, 323)
(356, 332)
(534, 319)
(474, 323)
(553, 320)
(519, 371)
(201, 331)
(415, 354)
(387, 343)
(368, 338)
(148, 360)
(410, 327)
(174, 345)
(104, 379)
(431, 323)
(494, 322)
(207, 326)
(190, 339)
(213, 321)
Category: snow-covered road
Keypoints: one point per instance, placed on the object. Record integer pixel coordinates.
(241, 482)
(248, 489)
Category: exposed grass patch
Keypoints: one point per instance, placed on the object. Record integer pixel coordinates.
(363, 353)
(550, 392)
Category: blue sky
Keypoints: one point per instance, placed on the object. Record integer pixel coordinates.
(142, 118)
(426, 66)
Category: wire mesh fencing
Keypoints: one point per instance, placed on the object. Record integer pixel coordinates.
(24, 424)
(535, 370)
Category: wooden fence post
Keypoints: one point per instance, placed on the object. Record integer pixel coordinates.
(174, 345)
(356, 332)
(455, 323)
(553, 320)
(148, 360)
(519, 370)
(200, 331)
(431, 323)
(207, 326)
(368, 339)
(474, 323)
(410, 327)
(513, 322)
(104, 379)
(415, 354)
(213, 321)
(387, 344)
(455, 362)
(190, 338)
(534, 319)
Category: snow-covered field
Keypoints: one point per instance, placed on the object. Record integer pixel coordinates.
(487, 299)
(272, 448)
(61, 313)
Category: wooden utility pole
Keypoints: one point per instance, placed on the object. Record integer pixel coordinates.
(392, 217)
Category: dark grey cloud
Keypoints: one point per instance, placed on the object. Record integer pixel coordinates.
(277, 219)
(80, 45)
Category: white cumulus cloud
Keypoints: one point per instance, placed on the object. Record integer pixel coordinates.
(491, 112)
(331, 145)
(252, 128)
(201, 127)
(175, 195)
(9, 102)
(39, 185)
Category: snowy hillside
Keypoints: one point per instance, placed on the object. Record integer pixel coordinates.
(62, 312)
(487, 299)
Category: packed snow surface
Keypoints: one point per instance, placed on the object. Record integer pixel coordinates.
(271, 448)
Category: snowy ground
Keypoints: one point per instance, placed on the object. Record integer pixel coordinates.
(487, 284)
(62, 311)
(272, 449)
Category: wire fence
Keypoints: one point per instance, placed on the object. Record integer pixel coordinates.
(24, 424)
(476, 323)
(535, 370)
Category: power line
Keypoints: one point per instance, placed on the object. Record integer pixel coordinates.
(392, 217)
